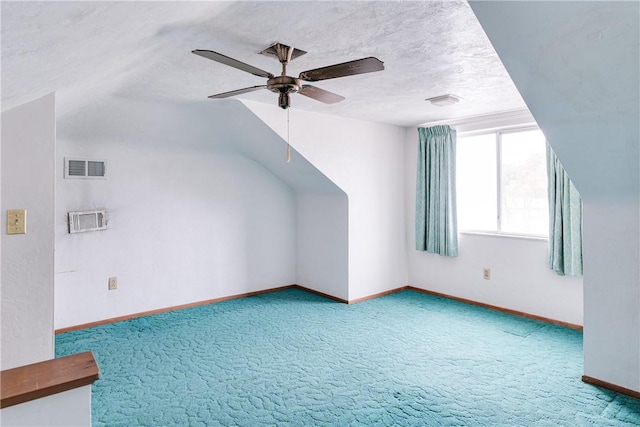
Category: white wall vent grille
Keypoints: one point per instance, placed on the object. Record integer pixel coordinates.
(80, 222)
(85, 168)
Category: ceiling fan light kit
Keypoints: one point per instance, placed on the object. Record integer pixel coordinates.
(283, 84)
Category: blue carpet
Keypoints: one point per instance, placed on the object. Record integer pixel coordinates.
(294, 358)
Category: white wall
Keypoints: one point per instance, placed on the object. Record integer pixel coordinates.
(581, 80)
(189, 220)
(364, 159)
(520, 279)
(67, 409)
(611, 291)
(28, 152)
(322, 253)
(321, 207)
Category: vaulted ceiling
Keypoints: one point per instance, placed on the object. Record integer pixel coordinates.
(90, 52)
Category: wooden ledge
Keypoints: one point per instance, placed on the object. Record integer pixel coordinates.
(42, 379)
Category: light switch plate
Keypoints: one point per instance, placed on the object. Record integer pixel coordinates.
(16, 221)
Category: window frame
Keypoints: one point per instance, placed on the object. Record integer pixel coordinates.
(498, 132)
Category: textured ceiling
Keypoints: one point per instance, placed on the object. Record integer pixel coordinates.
(91, 51)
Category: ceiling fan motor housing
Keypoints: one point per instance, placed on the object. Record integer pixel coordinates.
(284, 84)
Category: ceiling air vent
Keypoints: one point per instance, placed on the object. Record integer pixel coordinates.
(85, 168)
(80, 222)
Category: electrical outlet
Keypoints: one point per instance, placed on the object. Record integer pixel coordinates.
(113, 283)
(486, 274)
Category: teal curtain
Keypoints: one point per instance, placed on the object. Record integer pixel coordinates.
(436, 228)
(565, 220)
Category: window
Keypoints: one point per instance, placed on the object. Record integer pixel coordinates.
(501, 183)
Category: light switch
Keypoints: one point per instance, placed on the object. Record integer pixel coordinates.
(17, 221)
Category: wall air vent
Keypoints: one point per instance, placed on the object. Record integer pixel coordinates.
(85, 168)
(79, 222)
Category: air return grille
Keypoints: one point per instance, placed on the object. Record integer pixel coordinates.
(85, 168)
(80, 222)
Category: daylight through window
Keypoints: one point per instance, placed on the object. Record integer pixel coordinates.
(501, 183)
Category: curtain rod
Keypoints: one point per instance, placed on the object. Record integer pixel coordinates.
(483, 121)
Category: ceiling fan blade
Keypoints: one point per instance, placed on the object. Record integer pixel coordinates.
(320, 94)
(237, 92)
(218, 57)
(359, 66)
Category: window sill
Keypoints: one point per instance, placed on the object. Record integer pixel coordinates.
(507, 235)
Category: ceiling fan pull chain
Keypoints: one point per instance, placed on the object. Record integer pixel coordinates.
(288, 145)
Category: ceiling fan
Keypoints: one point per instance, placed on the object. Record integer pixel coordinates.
(283, 84)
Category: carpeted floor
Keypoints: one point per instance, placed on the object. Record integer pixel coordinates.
(294, 358)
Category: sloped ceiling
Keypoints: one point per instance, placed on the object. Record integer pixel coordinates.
(581, 79)
(90, 52)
